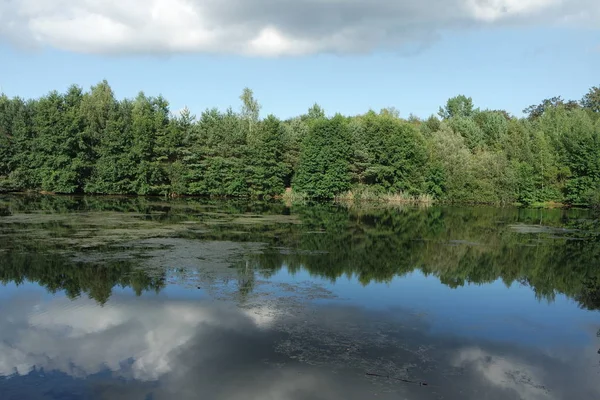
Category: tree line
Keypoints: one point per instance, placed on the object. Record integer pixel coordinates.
(90, 142)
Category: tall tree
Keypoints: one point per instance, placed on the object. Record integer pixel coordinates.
(116, 166)
(396, 154)
(591, 100)
(315, 112)
(537, 110)
(250, 108)
(217, 155)
(183, 130)
(324, 169)
(266, 170)
(459, 106)
(6, 136)
(57, 148)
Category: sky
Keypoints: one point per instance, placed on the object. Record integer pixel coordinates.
(349, 56)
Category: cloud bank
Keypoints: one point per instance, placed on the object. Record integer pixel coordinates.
(267, 27)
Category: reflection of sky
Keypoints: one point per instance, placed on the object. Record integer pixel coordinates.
(180, 344)
(11, 289)
(490, 311)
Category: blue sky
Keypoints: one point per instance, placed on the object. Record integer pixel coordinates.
(507, 64)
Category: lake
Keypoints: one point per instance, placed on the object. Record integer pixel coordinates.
(139, 298)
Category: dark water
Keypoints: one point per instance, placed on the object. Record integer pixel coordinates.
(114, 298)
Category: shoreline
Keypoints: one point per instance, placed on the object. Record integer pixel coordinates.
(347, 200)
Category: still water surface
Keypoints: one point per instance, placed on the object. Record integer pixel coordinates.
(117, 298)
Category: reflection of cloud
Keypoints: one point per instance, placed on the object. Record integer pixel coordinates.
(79, 338)
(505, 373)
(206, 349)
(197, 350)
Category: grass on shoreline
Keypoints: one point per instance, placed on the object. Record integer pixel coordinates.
(362, 196)
(290, 197)
(369, 196)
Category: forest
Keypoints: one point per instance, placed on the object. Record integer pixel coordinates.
(90, 142)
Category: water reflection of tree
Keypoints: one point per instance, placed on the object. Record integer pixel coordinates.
(457, 245)
(246, 280)
(57, 273)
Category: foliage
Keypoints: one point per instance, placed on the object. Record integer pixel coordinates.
(324, 168)
(90, 142)
(57, 273)
(537, 110)
(459, 106)
(266, 169)
(395, 154)
(591, 100)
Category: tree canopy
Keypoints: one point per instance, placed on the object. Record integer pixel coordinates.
(90, 142)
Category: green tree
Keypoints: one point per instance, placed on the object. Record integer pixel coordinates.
(116, 166)
(324, 169)
(91, 142)
(250, 108)
(494, 127)
(581, 145)
(217, 155)
(537, 110)
(459, 106)
(396, 154)
(390, 111)
(468, 129)
(20, 137)
(150, 130)
(183, 130)
(591, 100)
(58, 146)
(315, 112)
(266, 169)
(295, 130)
(6, 137)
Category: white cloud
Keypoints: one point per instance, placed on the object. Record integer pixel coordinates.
(266, 27)
(492, 10)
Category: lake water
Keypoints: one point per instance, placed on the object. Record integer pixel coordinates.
(133, 298)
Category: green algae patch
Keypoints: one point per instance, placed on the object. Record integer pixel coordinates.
(68, 230)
